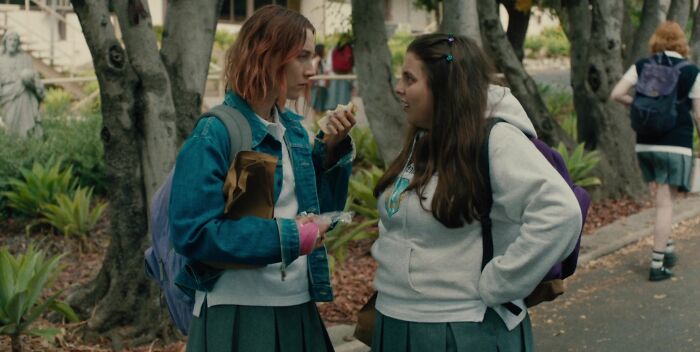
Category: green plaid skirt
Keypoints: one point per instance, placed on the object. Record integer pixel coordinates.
(231, 328)
(491, 335)
(666, 168)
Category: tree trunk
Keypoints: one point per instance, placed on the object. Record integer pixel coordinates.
(16, 342)
(518, 22)
(679, 11)
(460, 17)
(522, 85)
(188, 67)
(648, 23)
(627, 30)
(375, 77)
(695, 36)
(140, 136)
(602, 124)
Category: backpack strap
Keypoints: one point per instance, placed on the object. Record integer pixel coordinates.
(239, 133)
(485, 211)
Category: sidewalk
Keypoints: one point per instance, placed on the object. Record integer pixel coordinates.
(604, 241)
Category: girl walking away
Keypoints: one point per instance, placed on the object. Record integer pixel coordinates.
(319, 90)
(266, 301)
(666, 158)
(432, 292)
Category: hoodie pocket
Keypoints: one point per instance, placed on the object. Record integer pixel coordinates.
(393, 274)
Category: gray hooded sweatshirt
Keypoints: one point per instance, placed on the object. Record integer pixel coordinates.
(430, 273)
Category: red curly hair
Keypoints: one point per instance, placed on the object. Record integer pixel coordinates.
(669, 36)
(268, 40)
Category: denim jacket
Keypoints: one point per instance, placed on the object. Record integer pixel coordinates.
(198, 229)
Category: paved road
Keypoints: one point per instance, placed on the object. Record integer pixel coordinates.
(612, 307)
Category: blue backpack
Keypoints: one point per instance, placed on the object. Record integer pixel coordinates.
(162, 263)
(552, 285)
(653, 110)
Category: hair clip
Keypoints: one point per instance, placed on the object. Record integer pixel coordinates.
(450, 39)
(449, 57)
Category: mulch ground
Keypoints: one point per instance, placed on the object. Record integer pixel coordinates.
(352, 280)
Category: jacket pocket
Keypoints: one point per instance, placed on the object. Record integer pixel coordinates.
(393, 273)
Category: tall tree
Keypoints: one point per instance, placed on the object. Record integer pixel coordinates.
(596, 66)
(375, 77)
(679, 11)
(647, 25)
(520, 82)
(460, 17)
(518, 22)
(695, 36)
(148, 95)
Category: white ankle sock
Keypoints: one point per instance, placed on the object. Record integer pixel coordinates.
(657, 259)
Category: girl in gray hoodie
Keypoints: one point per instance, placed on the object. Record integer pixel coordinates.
(432, 292)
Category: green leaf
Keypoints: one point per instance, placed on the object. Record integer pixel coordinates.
(65, 310)
(46, 333)
(7, 277)
(15, 307)
(40, 309)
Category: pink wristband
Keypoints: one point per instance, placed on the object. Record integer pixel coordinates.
(307, 236)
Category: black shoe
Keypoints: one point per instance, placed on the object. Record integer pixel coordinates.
(670, 260)
(659, 274)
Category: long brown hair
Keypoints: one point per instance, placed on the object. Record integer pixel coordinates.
(272, 37)
(459, 84)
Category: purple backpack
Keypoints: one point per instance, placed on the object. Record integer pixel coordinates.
(552, 284)
(653, 110)
(163, 264)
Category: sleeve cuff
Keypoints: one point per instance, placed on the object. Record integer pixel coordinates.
(289, 240)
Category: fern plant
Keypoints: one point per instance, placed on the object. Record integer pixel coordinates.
(361, 200)
(37, 187)
(580, 163)
(74, 216)
(22, 279)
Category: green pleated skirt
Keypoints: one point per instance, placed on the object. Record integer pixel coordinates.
(491, 335)
(231, 328)
(666, 168)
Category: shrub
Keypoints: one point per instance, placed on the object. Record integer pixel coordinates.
(361, 200)
(74, 216)
(366, 148)
(580, 164)
(57, 102)
(22, 279)
(38, 187)
(552, 40)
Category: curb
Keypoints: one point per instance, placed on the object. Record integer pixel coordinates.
(603, 241)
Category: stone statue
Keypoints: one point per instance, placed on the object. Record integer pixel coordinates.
(21, 89)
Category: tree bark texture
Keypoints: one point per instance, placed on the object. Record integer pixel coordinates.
(516, 32)
(188, 65)
(679, 11)
(520, 82)
(648, 23)
(596, 66)
(376, 79)
(695, 36)
(460, 17)
(140, 137)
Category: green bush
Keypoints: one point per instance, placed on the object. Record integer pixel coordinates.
(74, 216)
(361, 200)
(22, 280)
(57, 102)
(38, 187)
(366, 148)
(224, 39)
(580, 163)
(552, 39)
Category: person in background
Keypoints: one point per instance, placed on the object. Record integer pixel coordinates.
(319, 90)
(342, 63)
(666, 160)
